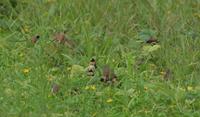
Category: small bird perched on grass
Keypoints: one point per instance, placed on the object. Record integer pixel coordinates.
(55, 88)
(108, 75)
(152, 40)
(63, 39)
(168, 75)
(92, 67)
(35, 39)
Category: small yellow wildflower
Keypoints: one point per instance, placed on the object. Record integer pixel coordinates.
(25, 29)
(26, 70)
(189, 88)
(162, 73)
(92, 87)
(109, 100)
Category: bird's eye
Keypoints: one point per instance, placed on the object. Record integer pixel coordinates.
(37, 36)
(92, 60)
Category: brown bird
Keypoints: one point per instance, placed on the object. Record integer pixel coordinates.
(92, 67)
(35, 39)
(167, 75)
(60, 37)
(55, 88)
(152, 40)
(108, 75)
(63, 39)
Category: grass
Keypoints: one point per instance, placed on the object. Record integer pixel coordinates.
(112, 31)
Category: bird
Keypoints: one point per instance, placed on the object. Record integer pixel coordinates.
(152, 40)
(168, 74)
(92, 67)
(55, 88)
(108, 75)
(35, 39)
(59, 37)
(93, 62)
(63, 39)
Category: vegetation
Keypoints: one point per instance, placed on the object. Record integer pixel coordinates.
(158, 79)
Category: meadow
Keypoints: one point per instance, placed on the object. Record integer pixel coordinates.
(158, 79)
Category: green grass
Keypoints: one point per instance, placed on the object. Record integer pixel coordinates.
(110, 31)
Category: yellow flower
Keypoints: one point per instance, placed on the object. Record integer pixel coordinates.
(92, 87)
(109, 100)
(26, 70)
(189, 88)
(162, 73)
(25, 29)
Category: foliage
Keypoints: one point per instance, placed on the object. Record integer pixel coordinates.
(112, 31)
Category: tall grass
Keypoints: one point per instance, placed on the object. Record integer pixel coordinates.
(113, 32)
